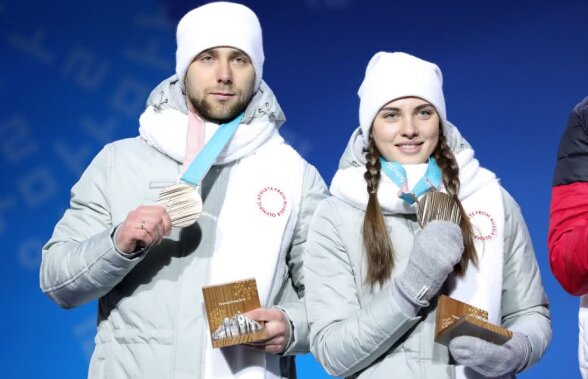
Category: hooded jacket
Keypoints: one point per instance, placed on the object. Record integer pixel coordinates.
(360, 331)
(568, 222)
(151, 322)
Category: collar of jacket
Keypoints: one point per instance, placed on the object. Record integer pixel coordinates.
(164, 123)
(349, 185)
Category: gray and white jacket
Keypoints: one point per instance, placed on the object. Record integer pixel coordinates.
(359, 331)
(151, 322)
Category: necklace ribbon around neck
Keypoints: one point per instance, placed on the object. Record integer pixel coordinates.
(182, 200)
(397, 173)
(204, 160)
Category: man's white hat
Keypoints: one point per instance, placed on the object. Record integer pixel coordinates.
(215, 25)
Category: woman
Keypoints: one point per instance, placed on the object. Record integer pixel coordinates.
(372, 275)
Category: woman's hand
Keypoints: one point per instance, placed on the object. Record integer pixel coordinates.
(489, 359)
(437, 248)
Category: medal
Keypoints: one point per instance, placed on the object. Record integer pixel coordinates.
(437, 206)
(431, 204)
(182, 202)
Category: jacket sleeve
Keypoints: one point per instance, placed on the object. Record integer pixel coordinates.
(346, 336)
(313, 191)
(525, 307)
(568, 236)
(568, 219)
(80, 262)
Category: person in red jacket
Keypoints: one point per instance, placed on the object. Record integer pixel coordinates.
(568, 220)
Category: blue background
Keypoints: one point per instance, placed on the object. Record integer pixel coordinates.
(74, 75)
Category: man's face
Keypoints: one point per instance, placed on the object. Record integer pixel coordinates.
(219, 84)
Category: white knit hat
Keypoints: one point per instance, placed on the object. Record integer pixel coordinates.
(390, 76)
(219, 24)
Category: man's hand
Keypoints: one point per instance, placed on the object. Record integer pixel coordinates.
(144, 226)
(277, 327)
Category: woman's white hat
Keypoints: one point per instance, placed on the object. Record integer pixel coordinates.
(391, 76)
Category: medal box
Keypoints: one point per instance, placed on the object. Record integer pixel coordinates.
(455, 318)
(225, 307)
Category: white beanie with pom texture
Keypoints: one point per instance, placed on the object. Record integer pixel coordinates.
(391, 76)
(219, 24)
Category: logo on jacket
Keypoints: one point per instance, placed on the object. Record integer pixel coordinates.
(272, 202)
(483, 224)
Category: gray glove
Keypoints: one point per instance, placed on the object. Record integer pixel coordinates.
(437, 248)
(489, 359)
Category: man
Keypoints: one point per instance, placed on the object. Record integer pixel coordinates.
(117, 245)
(568, 223)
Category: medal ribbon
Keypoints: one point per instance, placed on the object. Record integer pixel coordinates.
(204, 160)
(430, 181)
(194, 139)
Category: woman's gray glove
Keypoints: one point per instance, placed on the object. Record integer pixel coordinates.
(489, 359)
(437, 248)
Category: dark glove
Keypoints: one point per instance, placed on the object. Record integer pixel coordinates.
(489, 359)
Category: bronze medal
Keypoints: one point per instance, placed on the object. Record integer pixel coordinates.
(437, 206)
(182, 202)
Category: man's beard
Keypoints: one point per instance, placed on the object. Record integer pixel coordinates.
(218, 114)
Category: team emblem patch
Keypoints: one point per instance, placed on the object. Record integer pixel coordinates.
(483, 224)
(272, 201)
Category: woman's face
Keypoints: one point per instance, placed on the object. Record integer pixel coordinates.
(406, 130)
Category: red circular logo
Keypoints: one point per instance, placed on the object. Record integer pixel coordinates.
(485, 226)
(272, 202)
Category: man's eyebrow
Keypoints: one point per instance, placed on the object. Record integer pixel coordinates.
(210, 51)
(238, 53)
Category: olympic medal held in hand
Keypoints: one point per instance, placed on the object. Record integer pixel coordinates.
(182, 202)
(438, 206)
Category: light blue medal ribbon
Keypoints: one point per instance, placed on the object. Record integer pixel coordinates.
(182, 200)
(204, 160)
(430, 181)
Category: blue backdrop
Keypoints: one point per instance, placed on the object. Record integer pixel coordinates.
(74, 75)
